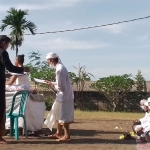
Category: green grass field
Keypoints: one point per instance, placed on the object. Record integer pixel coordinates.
(105, 115)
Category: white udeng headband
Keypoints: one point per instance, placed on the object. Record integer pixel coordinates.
(142, 101)
(148, 99)
(51, 55)
(146, 103)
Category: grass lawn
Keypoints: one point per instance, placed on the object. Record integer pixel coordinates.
(105, 115)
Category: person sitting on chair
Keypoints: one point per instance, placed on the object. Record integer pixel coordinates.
(18, 82)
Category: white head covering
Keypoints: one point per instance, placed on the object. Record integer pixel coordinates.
(51, 55)
(142, 102)
(146, 103)
(148, 99)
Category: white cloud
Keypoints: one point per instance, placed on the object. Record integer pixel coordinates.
(64, 3)
(43, 5)
(106, 72)
(65, 44)
(31, 7)
(114, 29)
(4, 8)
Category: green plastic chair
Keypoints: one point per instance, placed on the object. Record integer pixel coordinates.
(23, 97)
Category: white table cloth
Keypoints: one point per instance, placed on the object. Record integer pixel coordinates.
(35, 111)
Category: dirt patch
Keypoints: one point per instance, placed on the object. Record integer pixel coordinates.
(85, 134)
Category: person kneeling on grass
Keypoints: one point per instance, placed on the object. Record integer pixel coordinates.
(142, 127)
(146, 125)
(62, 111)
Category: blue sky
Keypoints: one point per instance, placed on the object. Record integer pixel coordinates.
(111, 50)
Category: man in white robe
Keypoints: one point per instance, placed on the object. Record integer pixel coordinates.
(62, 111)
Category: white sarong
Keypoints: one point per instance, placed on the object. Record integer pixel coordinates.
(61, 112)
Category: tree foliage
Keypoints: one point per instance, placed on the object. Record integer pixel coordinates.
(115, 88)
(79, 80)
(139, 82)
(40, 69)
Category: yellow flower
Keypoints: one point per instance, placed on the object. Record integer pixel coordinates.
(121, 137)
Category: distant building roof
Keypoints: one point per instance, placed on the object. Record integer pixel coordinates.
(88, 88)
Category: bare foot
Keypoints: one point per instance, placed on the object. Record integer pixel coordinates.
(2, 141)
(54, 136)
(63, 139)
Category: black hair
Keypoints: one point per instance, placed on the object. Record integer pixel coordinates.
(4, 38)
(20, 58)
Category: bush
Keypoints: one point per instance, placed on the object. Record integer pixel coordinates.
(49, 102)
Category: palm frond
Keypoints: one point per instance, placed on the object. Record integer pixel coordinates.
(18, 24)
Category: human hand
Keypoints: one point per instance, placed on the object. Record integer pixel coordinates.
(48, 82)
(34, 91)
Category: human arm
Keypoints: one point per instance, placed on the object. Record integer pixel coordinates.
(51, 84)
(8, 64)
(12, 80)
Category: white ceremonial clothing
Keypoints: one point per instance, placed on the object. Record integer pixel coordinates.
(63, 84)
(63, 108)
(22, 83)
(144, 119)
(145, 122)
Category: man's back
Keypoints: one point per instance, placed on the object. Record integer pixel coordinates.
(65, 91)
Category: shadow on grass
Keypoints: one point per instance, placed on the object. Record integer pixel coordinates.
(75, 132)
(78, 137)
(78, 132)
(76, 141)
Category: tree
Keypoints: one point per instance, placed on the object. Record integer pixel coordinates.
(139, 82)
(115, 88)
(79, 81)
(40, 69)
(18, 24)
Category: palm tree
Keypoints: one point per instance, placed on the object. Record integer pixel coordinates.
(18, 24)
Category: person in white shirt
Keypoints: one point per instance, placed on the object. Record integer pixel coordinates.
(62, 111)
(147, 124)
(140, 126)
(144, 128)
(142, 103)
(18, 82)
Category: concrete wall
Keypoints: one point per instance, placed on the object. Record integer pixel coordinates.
(93, 100)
